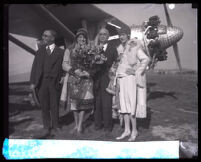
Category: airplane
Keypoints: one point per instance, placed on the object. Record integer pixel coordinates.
(32, 19)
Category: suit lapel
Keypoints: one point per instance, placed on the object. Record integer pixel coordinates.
(107, 51)
(54, 55)
(42, 56)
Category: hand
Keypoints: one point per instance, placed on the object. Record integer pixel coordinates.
(141, 86)
(85, 73)
(132, 43)
(120, 56)
(78, 72)
(130, 71)
(61, 81)
(32, 86)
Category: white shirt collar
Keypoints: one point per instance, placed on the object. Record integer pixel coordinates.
(105, 46)
(52, 46)
(121, 48)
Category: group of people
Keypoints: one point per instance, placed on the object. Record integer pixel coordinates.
(86, 90)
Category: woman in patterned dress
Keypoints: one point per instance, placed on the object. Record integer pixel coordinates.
(80, 84)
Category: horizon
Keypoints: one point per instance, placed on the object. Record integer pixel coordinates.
(183, 12)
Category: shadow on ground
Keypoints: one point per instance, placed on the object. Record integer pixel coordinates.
(160, 94)
(14, 124)
(66, 119)
(15, 109)
(145, 122)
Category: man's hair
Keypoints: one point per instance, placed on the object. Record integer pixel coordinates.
(107, 31)
(53, 32)
(96, 41)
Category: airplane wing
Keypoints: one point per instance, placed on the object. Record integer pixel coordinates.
(32, 19)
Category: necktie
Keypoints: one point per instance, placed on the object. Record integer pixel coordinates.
(48, 50)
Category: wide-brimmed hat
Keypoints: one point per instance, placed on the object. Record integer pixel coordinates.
(81, 31)
(123, 30)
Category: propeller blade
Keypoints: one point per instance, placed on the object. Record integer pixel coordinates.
(167, 16)
(175, 47)
(176, 52)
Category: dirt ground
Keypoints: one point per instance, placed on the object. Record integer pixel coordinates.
(172, 113)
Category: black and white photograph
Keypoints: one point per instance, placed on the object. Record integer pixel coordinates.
(104, 72)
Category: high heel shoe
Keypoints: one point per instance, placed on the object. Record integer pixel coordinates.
(80, 131)
(122, 136)
(133, 137)
(72, 131)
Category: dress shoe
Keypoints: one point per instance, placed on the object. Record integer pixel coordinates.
(133, 137)
(108, 134)
(108, 130)
(43, 134)
(98, 128)
(72, 131)
(123, 136)
(79, 131)
(46, 131)
(55, 131)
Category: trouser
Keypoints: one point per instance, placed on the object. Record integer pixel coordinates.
(103, 109)
(49, 100)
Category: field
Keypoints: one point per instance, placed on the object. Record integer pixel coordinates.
(172, 113)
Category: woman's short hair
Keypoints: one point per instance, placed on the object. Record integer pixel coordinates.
(123, 30)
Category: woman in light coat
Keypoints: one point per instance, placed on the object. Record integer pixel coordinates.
(131, 79)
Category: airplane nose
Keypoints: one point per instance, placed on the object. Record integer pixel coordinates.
(173, 35)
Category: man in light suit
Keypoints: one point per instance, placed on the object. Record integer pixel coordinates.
(45, 76)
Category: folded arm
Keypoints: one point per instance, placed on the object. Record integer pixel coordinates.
(66, 61)
(144, 61)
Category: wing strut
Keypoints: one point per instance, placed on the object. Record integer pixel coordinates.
(55, 21)
(22, 45)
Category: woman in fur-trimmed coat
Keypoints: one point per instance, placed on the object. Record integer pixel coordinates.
(131, 78)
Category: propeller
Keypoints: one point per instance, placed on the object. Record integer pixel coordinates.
(175, 47)
(176, 51)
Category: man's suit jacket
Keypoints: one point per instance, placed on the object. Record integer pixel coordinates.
(56, 69)
(102, 78)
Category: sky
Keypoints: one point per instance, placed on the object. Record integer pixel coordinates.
(183, 16)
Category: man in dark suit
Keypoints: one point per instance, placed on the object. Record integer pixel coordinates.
(45, 76)
(103, 100)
